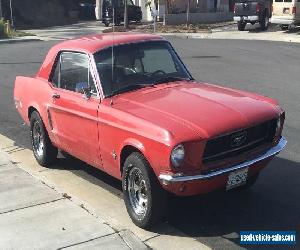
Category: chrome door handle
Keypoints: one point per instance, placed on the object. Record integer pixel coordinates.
(55, 96)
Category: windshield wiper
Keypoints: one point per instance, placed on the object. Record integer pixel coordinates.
(129, 88)
(171, 79)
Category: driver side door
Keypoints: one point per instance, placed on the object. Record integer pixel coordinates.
(73, 112)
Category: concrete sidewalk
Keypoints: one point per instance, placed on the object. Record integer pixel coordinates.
(34, 216)
(76, 194)
(275, 36)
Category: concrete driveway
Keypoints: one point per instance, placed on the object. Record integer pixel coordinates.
(68, 31)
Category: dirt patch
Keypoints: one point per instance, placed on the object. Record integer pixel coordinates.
(160, 28)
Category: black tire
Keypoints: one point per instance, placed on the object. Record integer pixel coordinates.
(264, 21)
(241, 25)
(284, 27)
(66, 155)
(156, 197)
(43, 150)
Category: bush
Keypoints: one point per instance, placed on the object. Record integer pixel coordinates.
(2, 29)
(5, 29)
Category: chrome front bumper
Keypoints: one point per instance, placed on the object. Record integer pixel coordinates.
(166, 178)
(245, 18)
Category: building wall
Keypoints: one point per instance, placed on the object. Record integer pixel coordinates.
(194, 18)
(180, 6)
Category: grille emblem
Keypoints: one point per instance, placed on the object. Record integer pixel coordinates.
(238, 139)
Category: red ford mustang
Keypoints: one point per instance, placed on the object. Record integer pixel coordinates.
(128, 106)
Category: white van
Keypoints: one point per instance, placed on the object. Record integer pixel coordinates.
(286, 13)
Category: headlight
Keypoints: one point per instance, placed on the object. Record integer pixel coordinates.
(177, 155)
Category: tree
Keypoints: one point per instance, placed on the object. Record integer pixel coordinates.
(1, 15)
(168, 6)
(126, 25)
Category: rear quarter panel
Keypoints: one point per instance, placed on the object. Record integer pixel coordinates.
(32, 92)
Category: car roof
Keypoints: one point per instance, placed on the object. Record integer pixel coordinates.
(91, 44)
(94, 43)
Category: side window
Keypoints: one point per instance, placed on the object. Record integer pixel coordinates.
(55, 76)
(72, 72)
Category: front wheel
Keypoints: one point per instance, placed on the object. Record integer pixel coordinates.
(106, 24)
(241, 25)
(144, 198)
(44, 152)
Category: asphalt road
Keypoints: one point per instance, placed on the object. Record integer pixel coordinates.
(269, 68)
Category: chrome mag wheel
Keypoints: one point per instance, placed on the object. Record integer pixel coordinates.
(137, 192)
(37, 139)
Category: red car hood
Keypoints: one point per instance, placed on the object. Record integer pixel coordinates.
(205, 109)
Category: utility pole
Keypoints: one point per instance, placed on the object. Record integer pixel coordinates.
(126, 14)
(188, 13)
(98, 9)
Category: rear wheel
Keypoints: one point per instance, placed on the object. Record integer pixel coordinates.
(241, 25)
(44, 152)
(284, 27)
(144, 198)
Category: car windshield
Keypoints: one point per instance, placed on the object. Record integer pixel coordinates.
(132, 66)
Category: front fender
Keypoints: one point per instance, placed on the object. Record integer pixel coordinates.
(155, 153)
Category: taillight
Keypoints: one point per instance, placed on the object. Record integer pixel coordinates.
(294, 10)
(258, 7)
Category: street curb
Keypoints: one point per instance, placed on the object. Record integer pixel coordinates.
(17, 40)
(211, 36)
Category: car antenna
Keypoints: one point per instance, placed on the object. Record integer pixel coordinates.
(113, 38)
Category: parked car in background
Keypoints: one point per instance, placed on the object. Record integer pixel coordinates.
(252, 11)
(87, 9)
(126, 104)
(286, 13)
(134, 12)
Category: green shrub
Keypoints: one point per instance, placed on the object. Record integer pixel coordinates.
(5, 29)
(2, 29)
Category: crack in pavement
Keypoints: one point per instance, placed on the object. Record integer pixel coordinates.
(35, 205)
(80, 243)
